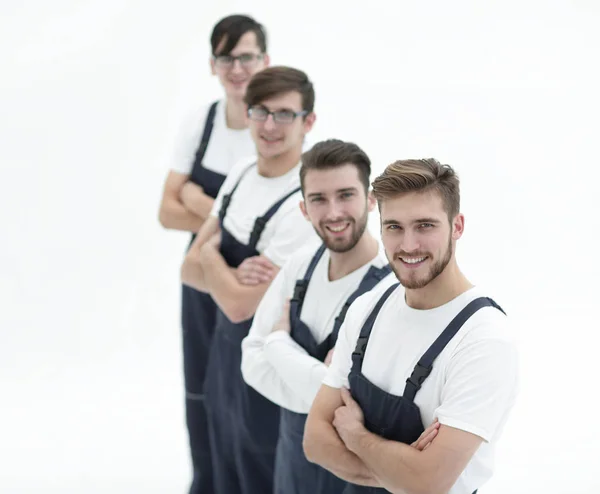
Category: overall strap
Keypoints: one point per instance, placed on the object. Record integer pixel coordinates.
(425, 363)
(370, 280)
(261, 222)
(227, 197)
(302, 285)
(208, 128)
(365, 332)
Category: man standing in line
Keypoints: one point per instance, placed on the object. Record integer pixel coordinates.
(256, 214)
(285, 355)
(211, 142)
(437, 350)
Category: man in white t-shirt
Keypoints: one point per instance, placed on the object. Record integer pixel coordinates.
(284, 357)
(436, 350)
(209, 143)
(255, 215)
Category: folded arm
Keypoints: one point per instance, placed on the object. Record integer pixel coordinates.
(195, 200)
(237, 301)
(174, 213)
(404, 469)
(295, 367)
(322, 444)
(192, 273)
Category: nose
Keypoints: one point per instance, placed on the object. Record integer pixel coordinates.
(237, 68)
(269, 123)
(409, 242)
(334, 211)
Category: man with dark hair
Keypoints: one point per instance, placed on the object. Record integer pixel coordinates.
(287, 351)
(209, 144)
(255, 217)
(435, 350)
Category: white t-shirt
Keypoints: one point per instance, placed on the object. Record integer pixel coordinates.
(473, 383)
(226, 146)
(286, 232)
(273, 363)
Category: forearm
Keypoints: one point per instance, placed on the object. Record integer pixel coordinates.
(175, 216)
(324, 447)
(192, 273)
(195, 200)
(220, 281)
(399, 468)
(295, 367)
(260, 374)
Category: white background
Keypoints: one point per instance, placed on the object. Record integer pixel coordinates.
(91, 397)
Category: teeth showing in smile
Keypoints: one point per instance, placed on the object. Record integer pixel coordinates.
(414, 260)
(337, 229)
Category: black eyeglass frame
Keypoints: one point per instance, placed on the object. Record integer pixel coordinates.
(277, 114)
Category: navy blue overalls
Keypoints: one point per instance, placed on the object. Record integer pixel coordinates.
(243, 425)
(198, 312)
(398, 418)
(294, 474)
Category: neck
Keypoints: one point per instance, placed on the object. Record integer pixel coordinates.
(343, 263)
(446, 287)
(235, 114)
(279, 165)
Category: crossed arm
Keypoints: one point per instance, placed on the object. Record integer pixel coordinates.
(205, 270)
(336, 439)
(273, 363)
(184, 205)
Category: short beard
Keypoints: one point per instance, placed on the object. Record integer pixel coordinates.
(358, 229)
(434, 272)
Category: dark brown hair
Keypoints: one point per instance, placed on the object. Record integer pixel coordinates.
(420, 176)
(233, 28)
(274, 81)
(333, 153)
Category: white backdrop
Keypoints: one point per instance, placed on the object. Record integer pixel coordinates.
(90, 95)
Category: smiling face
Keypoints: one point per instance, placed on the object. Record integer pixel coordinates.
(336, 204)
(274, 139)
(235, 74)
(418, 237)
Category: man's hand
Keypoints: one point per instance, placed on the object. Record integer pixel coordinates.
(348, 419)
(284, 321)
(194, 199)
(427, 437)
(256, 270)
(329, 357)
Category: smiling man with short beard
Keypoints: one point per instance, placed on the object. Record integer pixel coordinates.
(288, 349)
(430, 350)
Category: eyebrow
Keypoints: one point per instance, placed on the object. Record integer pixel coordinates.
(338, 191)
(420, 220)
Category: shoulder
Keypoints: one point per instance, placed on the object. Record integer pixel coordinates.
(240, 166)
(196, 114)
(363, 305)
(212, 110)
(488, 331)
(297, 264)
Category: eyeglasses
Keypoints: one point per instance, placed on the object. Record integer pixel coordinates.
(247, 60)
(260, 114)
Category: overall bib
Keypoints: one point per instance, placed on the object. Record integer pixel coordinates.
(243, 425)
(397, 418)
(198, 312)
(294, 474)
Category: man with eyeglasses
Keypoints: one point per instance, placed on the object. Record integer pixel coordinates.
(255, 225)
(210, 142)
